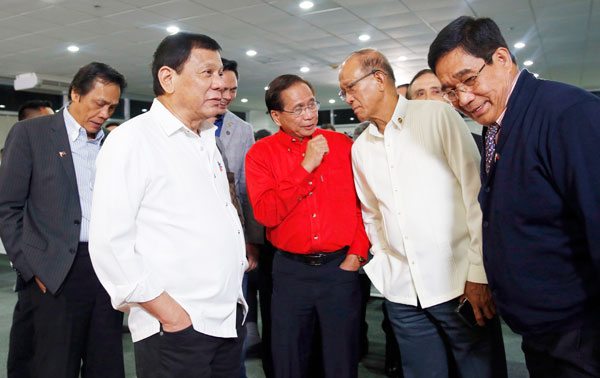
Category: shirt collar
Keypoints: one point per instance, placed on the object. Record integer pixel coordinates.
(287, 139)
(512, 88)
(171, 124)
(396, 120)
(74, 129)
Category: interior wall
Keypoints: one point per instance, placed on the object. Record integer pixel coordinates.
(6, 122)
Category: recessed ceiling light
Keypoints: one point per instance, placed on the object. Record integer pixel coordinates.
(266, 88)
(331, 101)
(528, 63)
(351, 118)
(172, 29)
(304, 69)
(73, 48)
(306, 5)
(536, 75)
(244, 100)
(251, 52)
(402, 58)
(519, 45)
(2, 106)
(364, 37)
(144, 110)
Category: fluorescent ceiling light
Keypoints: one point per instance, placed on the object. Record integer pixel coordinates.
(519, 45)
(251, 53)
(172, 29)
(304, 69)
(73, 48)
(364, 37)
(528, 63)
(306, 5)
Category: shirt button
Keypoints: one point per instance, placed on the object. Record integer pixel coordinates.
(72, 250)
(303, 154)
(310, 183)
(485, 224)
(487, 189)
(293, 139)
(77, 221)
(289, 150)
(316, 237)
(314, 215)
(310, 193)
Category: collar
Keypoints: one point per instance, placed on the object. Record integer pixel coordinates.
(397, 118)
(74, 129)
(288, 139)
(171, 124)
(512, 88)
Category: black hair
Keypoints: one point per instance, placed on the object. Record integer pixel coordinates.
(31, 106)
(278, 85)
(84, 79)
(230, 65)
(262, 133)
(174, 50)
(479, 37)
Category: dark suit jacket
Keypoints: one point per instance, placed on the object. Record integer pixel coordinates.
(541, 208)
(40, 214)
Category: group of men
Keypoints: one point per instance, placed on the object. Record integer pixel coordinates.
(513, 232)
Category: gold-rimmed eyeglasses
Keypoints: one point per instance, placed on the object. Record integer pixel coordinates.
(298, 110)
(465, 86)
(342, 92)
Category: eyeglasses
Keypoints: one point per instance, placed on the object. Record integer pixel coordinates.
(342, 92)
(312, 106)
(465, 86)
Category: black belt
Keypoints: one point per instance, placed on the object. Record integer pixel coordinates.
(314, 259)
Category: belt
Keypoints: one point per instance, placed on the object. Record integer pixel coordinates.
(314, 259)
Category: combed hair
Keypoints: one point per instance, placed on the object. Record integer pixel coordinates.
(230, 65)
(479, 37)
(174, 50)
(30, 106)
(278, 85)
(371, 59)
(84, 79)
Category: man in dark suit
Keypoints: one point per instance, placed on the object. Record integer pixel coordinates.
(46, 181)
(539, 196)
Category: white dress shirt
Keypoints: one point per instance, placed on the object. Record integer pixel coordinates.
(162, 220)
(418, 184)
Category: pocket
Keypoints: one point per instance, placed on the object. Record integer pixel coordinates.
(181, 332)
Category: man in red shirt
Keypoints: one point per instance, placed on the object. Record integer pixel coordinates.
(301, 188)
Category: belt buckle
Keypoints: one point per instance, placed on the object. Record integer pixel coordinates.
(315, 260)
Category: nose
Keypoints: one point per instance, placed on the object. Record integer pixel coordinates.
(218, 83)
(464, 98)
(105, 113)
(227, 94)
(349, 99)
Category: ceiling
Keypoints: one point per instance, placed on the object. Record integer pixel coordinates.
(562, 37)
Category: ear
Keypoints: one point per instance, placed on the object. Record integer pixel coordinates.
(275, 117)
(502, 57)
(379, 77)
(167, 77)
(74, 95)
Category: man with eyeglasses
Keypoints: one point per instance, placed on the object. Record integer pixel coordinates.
(301, 188)
(540, 195)
(415, 170)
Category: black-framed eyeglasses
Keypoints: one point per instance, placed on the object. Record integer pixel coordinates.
(465, 86)
(342, 92)
(312, 106)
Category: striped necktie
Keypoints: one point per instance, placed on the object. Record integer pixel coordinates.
(490, 145)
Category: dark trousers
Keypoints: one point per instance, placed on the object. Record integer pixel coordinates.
(306, 297)
(425, 334)
(76, 329)
(189, 353)
(20, 345)
(568, 354)
(265, 289)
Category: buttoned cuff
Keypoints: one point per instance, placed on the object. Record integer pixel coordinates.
(304, 180)
(145, 290)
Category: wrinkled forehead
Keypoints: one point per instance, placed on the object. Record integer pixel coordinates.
(427, 80)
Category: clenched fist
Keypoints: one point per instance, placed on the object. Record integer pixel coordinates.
(316, 148)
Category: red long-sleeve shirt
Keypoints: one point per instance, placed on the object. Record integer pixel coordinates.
(305, 212)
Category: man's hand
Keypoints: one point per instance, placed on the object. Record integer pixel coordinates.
(316, 148)
(252, 256)
(350, 263)
(168, 312)
(40, 285)
(481, 299)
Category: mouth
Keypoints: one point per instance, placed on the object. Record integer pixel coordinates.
(479, 110)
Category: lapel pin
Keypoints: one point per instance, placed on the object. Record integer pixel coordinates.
(62, 154)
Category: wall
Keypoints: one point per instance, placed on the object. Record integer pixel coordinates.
(260, 120)
(6, 122)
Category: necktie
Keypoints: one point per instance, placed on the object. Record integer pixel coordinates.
(490, 145)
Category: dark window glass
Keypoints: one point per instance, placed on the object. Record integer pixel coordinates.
(138, 107)
(12, 100)
(120, 110)
(242, 115)
(324, 117)
(343, 116)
